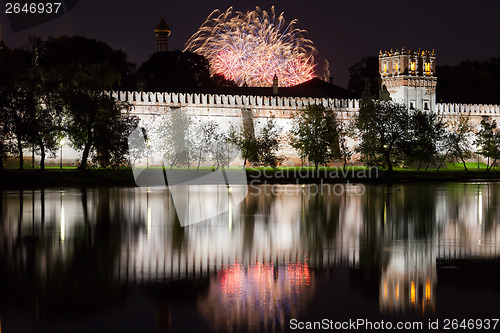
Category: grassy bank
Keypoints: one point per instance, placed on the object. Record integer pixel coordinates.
(55, 177)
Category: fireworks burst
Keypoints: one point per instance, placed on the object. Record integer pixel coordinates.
(252, 47)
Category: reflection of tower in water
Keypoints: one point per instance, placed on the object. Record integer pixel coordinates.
(409, 280)
(256, 296)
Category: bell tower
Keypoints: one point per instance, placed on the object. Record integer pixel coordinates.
(410, 77)
(162, 31)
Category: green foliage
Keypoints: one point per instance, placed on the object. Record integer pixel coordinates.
(205, 141)
(269, 143)
(261, 149)
(362, 73)
(314, 134)
(97, 65)
(99, 124)
(31, 114)
(458, 139)
(488, 140)
(427, 132)
(79, 70)
(345, 153)
(177, 145)
(243, 137)
(384, 131)
(177, 70)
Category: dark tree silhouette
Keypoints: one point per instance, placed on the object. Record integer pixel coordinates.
(366, 70)
(177, 70)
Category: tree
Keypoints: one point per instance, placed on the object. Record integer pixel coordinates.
(81, 70)
(345, 152)
(488, 140)
(63, 57)
(244, 138)
(268, 144)
(100, 124)
(314, 134)
(363, 72)
(177, 70)
(221, 149)
(383, 130)
(44, 114)
(427, 131)
(458, 140)
(176, 134)
(208, 132)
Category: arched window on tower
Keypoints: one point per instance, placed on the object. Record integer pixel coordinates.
(412, 66)
(384, 68)
(427, 68)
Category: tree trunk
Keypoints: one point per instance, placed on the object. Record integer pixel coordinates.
(463, 161)
(21, 157)
(245, 163)
(42, 157)
(1, 156)
(199, 159)
(427, 166)
(419, 165)
(492, 164)
(441, 164)
(85, 156)
(387, 158)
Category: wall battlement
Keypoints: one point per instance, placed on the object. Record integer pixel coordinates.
(167, 99)
(176, 100)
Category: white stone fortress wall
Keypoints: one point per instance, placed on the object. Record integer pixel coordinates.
(227, 110)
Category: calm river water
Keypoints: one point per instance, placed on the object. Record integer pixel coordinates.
(287, 256)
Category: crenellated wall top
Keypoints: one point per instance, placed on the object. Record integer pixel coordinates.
(171, 99)
(240, 101)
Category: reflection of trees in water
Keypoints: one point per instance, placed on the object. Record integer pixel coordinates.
(114, 236)
(257, 296)
(397, 215)
(63, 256)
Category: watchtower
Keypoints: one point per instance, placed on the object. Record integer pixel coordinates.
(410, 77)
(162, 31)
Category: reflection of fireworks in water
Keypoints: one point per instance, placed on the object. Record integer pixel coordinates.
(251, 47)
(258, 296)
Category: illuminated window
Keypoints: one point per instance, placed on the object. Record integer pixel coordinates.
(396, 66)
(412, 66)
(427, 68)
(384, 67)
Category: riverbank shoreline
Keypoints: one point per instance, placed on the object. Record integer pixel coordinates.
(123, 177)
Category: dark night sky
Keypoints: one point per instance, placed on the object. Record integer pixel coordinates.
(343, 31)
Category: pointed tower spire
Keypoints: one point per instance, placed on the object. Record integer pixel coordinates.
(162, 31)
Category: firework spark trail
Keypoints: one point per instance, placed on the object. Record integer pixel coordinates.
(251, 47)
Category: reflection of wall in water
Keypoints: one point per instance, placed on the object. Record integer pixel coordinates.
(153, 246)
(409, 280)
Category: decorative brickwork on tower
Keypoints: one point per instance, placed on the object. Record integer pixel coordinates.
(410, 77)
